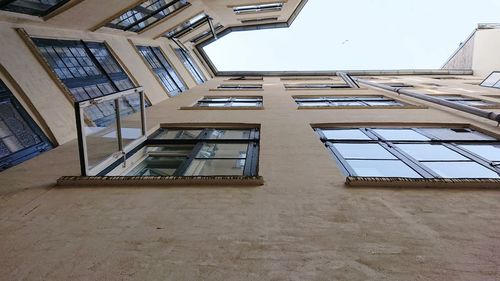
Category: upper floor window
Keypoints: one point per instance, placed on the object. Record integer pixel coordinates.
(343, 101)
(492, 81)
(414, 152)
(167, 75)
(315, 86)
(247, 78)
(206, 33)
(230, 102)
(88, 70)
(20, 137)
(239, 87)
(200, 152)
(470, 101)
(257, 8)
(32, 7)
(191, 66)
(187, 26)
(146, 14)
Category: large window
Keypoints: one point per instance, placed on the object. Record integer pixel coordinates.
(89, 71)
(32, 7)
(200, 152)
(191, 66)
(20, 137)
(343, 101)
(169, 78)
(242, 102)
(414, 152)
(269, 7)
(470, 101)
(492, 81)
(146, 14)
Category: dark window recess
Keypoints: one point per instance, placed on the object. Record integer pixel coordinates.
(398, 85)
(89, 71)
(492, 81)
(145, 14)
(191, 66)
(352, 101)
(201, 152)
(258, 20)
(240, 86)
(187, 26)
(270, 7)
(206, 33)
(20, 137)
(247, 78)
(38, 8)
(230, 102)
(315, 86)
(467, 100)
(169, 78)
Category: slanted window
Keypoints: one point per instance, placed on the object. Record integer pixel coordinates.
(470, 101)
(20, 137)
(200, 152)
(492, 81)
(89, 71)
(247, 78)
(191, 66)
(187, 26)
(206, 33)
(315, 86)
(342, 101)
(146, 14)
(258, 8)
(248, 87)
(242, 102)
(162, 68)
(38, 8)
(258, 20)
(414, 152)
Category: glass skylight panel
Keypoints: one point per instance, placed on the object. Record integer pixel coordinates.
(32, 7)
(277, 6)
(145, 14)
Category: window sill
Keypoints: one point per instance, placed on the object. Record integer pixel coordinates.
(422, 183)
(138, 181)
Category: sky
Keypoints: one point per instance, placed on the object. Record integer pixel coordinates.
(358, 34)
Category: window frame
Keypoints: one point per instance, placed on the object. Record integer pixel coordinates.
(41, 14)
(238, 87)
(191, 66)
(226, 105)
(494, 86)
(315, 86)
(463, 99)
(354, 98)
(258, 8)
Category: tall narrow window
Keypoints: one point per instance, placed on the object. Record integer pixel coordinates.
(169, 78)
(20, 137)
(88, 70)
(191, 66)
(414, 152)
(32, 7)
(146, 14)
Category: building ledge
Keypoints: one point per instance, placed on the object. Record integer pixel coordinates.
(159, 181)
(422, 183)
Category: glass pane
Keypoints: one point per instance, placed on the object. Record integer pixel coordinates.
(157, 166)
(363, 151)
(171, 134)
(461, 170)
(223, 150)
(487, 151)
(383, 103)
(229, 134)
(345, 134)
(456, 134)
(245, 104)
(216, 167)
(175, 149)
(400, 134)
(382, 168)
(314, 104)
(130, 114)
(491, 80)
(347, 103)
(430, 152)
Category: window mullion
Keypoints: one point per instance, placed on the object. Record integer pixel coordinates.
(476, 158)
(413, 163)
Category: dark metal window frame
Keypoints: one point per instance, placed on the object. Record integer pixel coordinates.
(494, 86)
(29, 152)
(185, 27)
(154, 13)
(258, 8)
(240, 87)
(329, 101)
(315, 86)
(230, 101)
(411, 162)
(177, 84)
(252, 154)
(466, 99)
(5, 3)
(191, 66)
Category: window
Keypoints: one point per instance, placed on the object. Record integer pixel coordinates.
(247, 78)
(492, 81)
(398, 85)
(191, 66)
(20, 137)
(230, 102)
(351, 101)
(414, 152)
(258, 20)
(258, 8)
(206, 33)
(185, 27)
(200, 152)
(315, 86)
(89, 71)
(168, 77)
(467, 100)
(38, 8)
(146, 14)
(240, 87)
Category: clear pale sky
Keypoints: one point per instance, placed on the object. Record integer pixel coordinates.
(358, 34)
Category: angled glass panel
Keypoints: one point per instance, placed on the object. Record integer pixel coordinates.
(487, 151)
(363, 151)
(187, 26)
(423, 152)
(32, 7)
(216, 167)
(456, 134)
(461, 170)
(382, 168)
(229, 134)
(223, 150)
(491, 80)
(345, 134)
(400, 135)
(171, 134)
